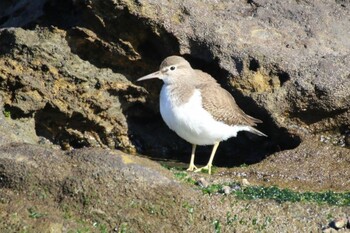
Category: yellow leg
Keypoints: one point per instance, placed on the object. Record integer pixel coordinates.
(192, 166)
(210, 163)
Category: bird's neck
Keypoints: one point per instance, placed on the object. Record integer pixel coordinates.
(177, 93)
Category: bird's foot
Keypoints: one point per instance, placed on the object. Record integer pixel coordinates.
(207, 167)
(192, 168)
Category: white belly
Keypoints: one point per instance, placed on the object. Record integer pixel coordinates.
(192, 122)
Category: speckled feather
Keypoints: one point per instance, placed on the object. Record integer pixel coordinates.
(222, 106)
(219, 102)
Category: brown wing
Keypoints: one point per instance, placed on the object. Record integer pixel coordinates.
(222, 106)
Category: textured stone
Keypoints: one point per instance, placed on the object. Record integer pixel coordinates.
(66, 73)
(287, 67)
(71, 102)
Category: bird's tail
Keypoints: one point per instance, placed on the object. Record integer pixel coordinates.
(257, 132)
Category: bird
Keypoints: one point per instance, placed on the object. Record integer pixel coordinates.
(195, 106)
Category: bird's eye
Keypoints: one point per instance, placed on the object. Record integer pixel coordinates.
(172, 67)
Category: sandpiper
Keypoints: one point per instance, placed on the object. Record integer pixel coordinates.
(197, 108)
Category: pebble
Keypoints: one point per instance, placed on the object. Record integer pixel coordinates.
(245, 182)
(329, 230)
(235, 187)
(202, 182)
(339, 223)
(226, 189)
(341, 140)
(347, 139)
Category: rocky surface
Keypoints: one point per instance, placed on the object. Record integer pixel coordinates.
(282, 65)
(311, 166)
(67, 81)
(97, 190)
(93, 185)
(72, 103)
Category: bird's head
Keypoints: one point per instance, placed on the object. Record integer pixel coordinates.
(171, 69)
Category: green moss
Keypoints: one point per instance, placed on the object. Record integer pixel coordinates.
(190, 211)
(183, 176)
(272, 193)
(189, 207)
(211, 189)
(231, 219)
(100, 227)
(24, 231)
(266, 222)
(330, 216)
(180, 175)
(166, 166)
(123, 228)
(217, 226)
(80, 230)
(284, 195)
(7, 113)
(66, 211)
(33, 213)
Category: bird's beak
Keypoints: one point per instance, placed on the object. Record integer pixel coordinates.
(156, 74)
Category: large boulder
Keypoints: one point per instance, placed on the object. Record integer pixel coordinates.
(71, 102)
(285, 63)
(47, 190)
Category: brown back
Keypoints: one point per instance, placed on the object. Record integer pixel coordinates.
(222, 106)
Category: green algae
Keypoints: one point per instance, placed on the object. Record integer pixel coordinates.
(33, 213)
(7, 114)
(268, 192)
(282, 195)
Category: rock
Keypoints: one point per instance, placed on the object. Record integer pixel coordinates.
(329, 230)
(314, 165)
(347, 138)
(203, 182)
(245, 182)
(22, 130)
(336, 225)
(339, 223)
(226, 189)
(108, 186)
(68, 101)
(297, 83)
(235, 187)
(268, 63)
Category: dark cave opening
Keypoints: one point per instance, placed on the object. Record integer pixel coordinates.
(246, 148)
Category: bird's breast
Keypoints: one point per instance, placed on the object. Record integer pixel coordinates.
(169, 103)
(180, 111)
(190, 120)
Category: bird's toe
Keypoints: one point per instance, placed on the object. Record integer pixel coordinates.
(192, 168)
(206, 168)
